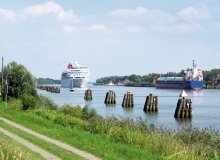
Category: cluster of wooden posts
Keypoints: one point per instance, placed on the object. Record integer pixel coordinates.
(52, 89)
(183, 108)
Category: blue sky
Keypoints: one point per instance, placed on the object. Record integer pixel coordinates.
(120, 37)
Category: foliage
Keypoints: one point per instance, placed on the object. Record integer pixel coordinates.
(41, 81)
(20, 80)
(186, 144)
(96, 144)
(67, 120)
(72, 111)
(45, 102)
(28, 102)
(89, 113)
(210, 76)
(147, 80)
(135, 80)
(16, 103)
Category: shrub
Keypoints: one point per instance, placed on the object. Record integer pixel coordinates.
(71, 110)
(47, 114)
(45, 102)
(16, 103)
(89, 113)
(61, 119)
(28, 102)
(67, 120)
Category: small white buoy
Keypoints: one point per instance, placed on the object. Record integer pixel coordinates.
(183, 94)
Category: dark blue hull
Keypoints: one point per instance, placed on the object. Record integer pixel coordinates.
(179, 84)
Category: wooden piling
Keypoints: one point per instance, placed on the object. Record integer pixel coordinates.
(151, 104)
(128, 100)
(183, 108)
(110, 97)
(88, 95)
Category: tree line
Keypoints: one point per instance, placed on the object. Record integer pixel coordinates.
(209, 78)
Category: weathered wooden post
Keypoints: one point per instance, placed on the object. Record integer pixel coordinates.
(184, 107)
(151, 103)
(110, 97)
(88, 95)
(128, 100)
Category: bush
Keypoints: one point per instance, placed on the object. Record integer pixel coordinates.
(48, 114)
(71, 110)
(16, 103)
(67, 120)
(28, 102)
(45, 102)
(89, 113)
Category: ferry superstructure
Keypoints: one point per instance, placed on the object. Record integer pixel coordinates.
(193, 79)
(75, 76)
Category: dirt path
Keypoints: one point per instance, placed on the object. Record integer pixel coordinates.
(31, 146)
(72, 149)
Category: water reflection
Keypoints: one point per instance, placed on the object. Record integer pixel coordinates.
(110, 105)
(185, 123)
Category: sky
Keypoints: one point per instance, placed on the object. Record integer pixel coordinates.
(117, 37)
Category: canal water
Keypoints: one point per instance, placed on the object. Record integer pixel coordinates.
(205, 104)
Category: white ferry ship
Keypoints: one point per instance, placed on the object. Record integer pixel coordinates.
(75, 76)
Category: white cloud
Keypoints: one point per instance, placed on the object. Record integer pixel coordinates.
(70, 29)
(7, 14)
(38, 10)
(186, 28)
(42, 9)
(134, 29)
(192, 13)
(149, 15)
(97, 28)
(128, 12)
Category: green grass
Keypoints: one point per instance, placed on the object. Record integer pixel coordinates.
(96, 144)
(112, 138)
(10, 149)
(62, 153)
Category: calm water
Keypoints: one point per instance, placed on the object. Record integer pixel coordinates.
(205, 104)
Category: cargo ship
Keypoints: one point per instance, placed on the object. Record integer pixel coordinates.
(193, 79)
(75, 76)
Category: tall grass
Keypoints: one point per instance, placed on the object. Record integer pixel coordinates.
(11, 150)
(185, 144)
(96, 144)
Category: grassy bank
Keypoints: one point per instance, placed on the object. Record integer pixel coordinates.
(12, 150)
(97, 144)
(59, 152)
(111, 138)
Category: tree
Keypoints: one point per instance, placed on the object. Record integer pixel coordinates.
(20, 81)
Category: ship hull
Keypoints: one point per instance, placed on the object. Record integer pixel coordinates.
(179, 84)
(74, 82)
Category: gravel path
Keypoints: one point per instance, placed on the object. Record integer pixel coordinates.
(31, 146)
(72, 149)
